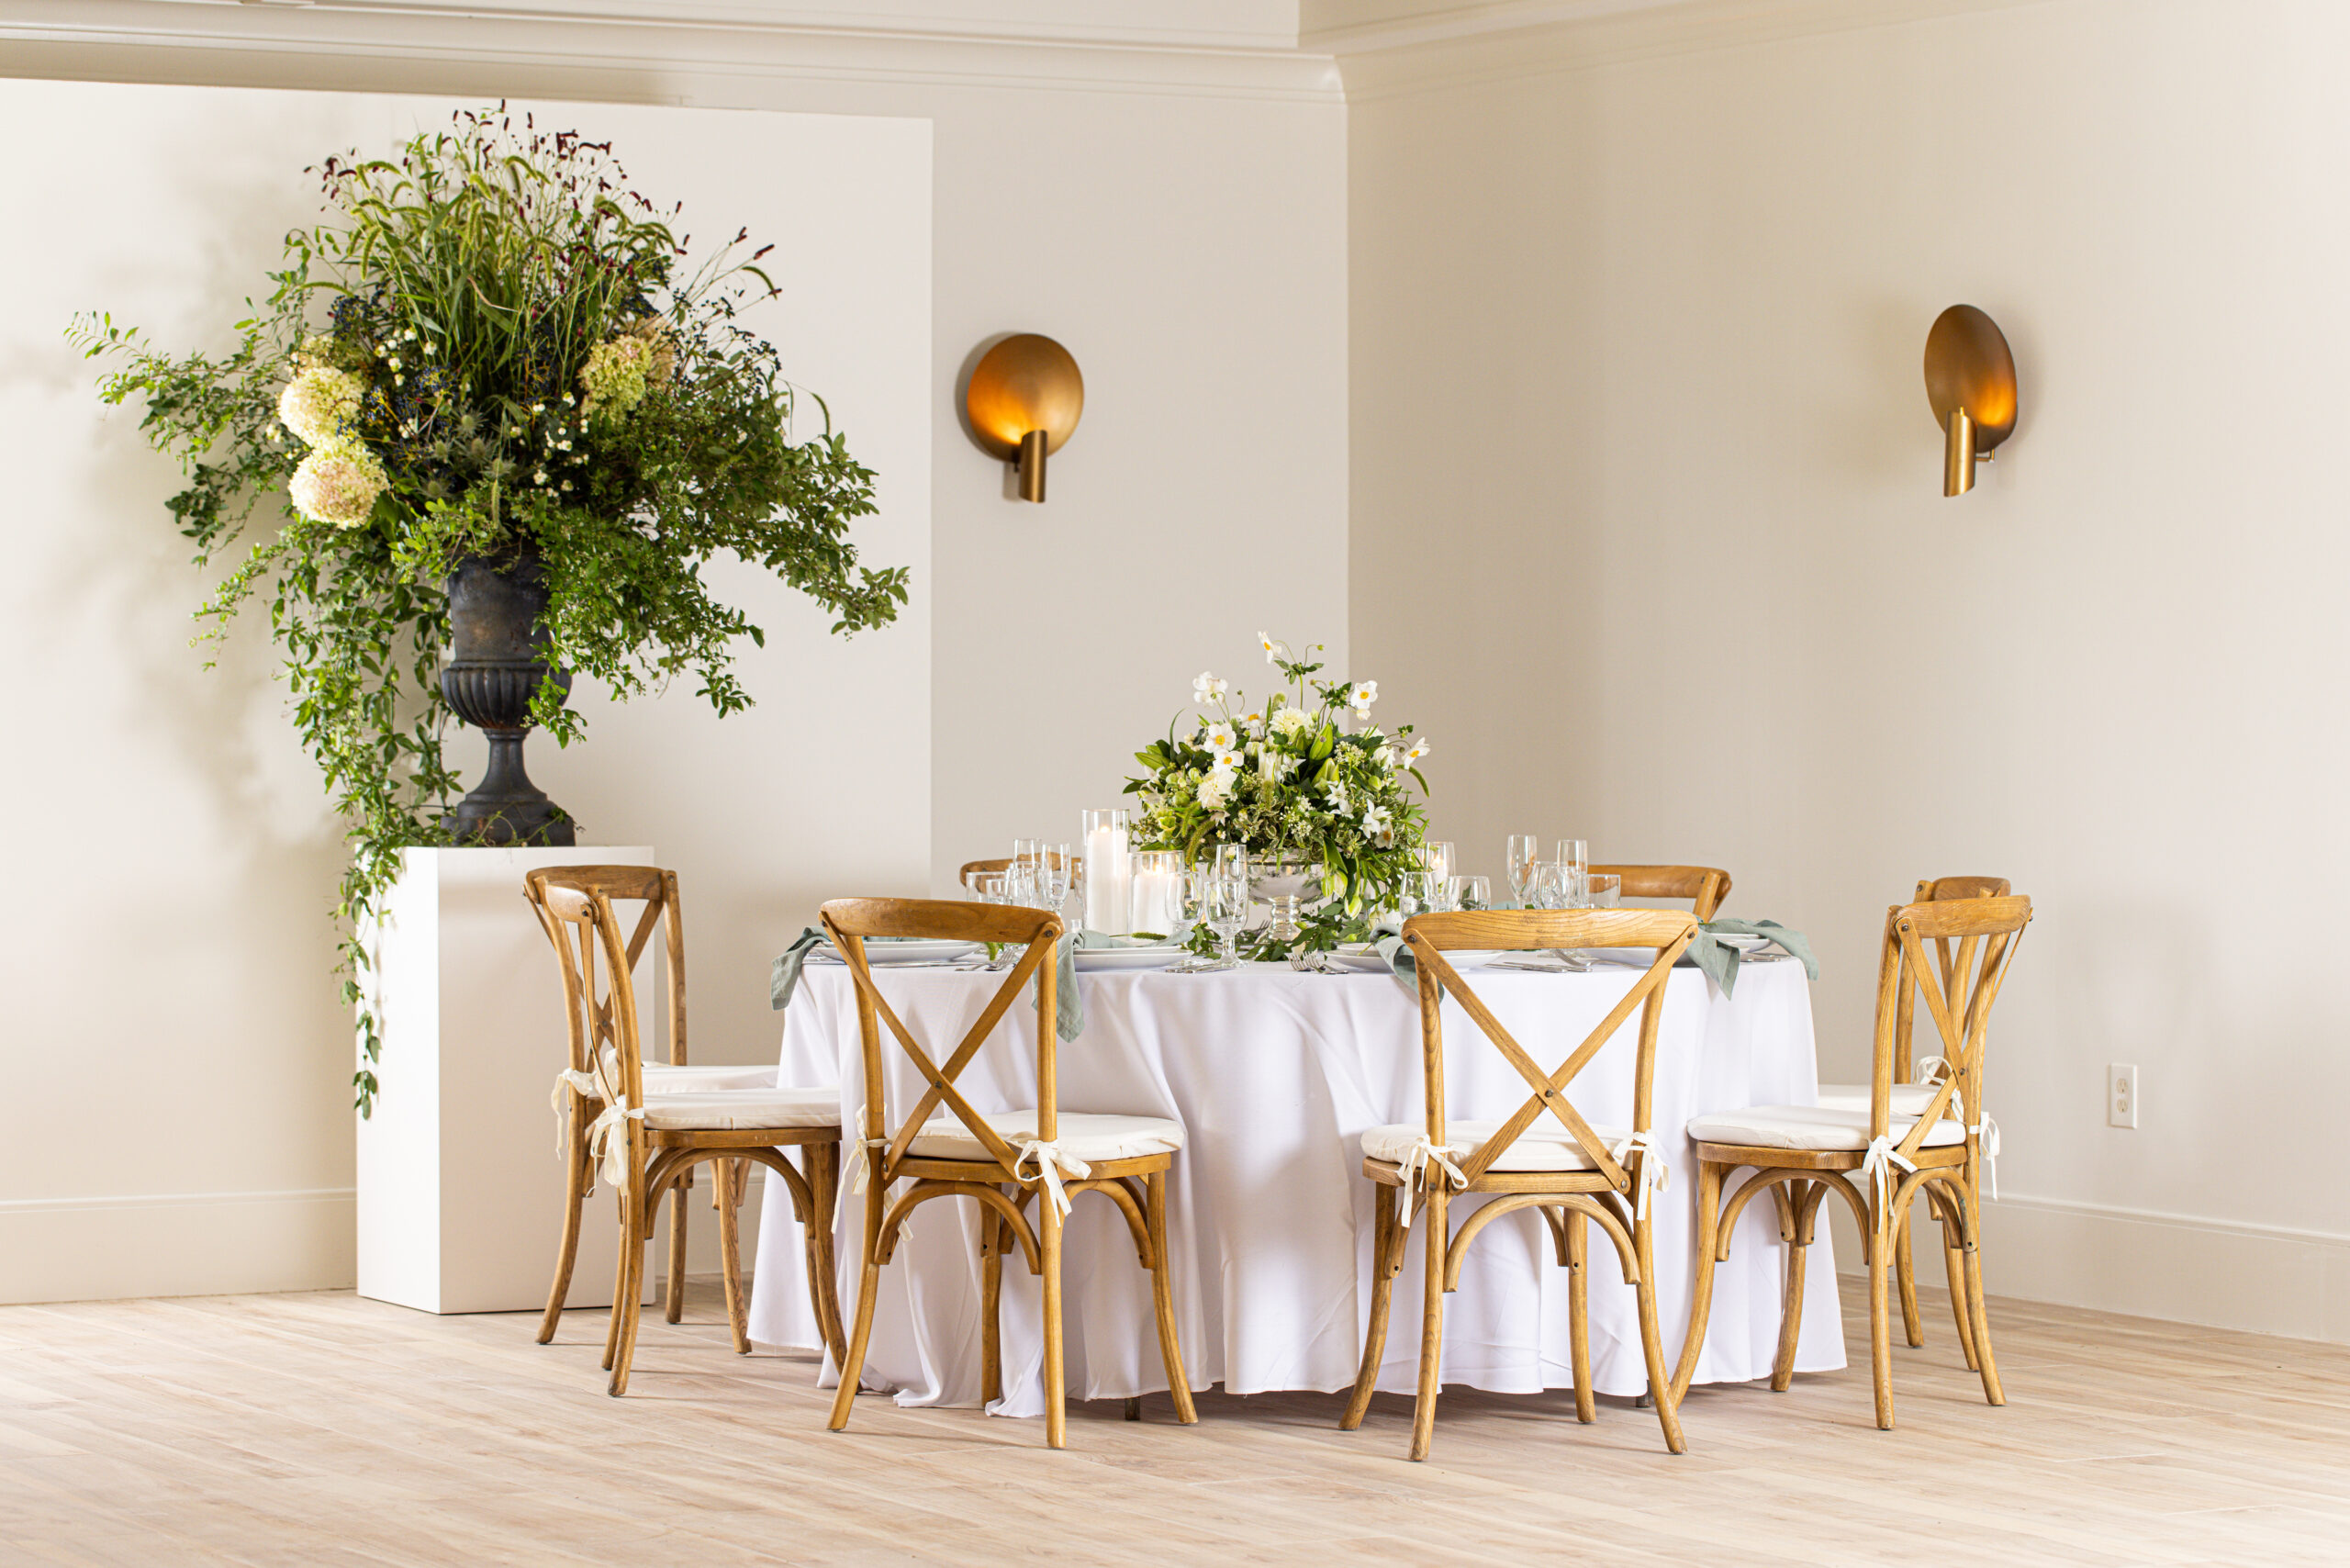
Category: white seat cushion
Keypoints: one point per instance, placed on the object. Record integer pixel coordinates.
(1545, 1146)
(1908, 1099)
(1083, 1137)
(743, 1110)
(661, 1079)
(1810, 1127)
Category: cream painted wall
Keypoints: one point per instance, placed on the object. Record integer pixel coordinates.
(171, 918)
(1648, 525)
(1186, 238)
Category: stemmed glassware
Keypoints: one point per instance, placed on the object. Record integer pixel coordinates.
(1523, 855)
(1216, 894)
(1053, 876)
(1438, 857)
(1469, 892)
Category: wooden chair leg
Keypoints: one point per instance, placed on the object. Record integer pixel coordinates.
(730, 1249)
(869, 1286)
(822, 1164)
(1904, 1276)
(1652, 1341)
(635, 1236)
(1782, 1364)
(1880, 1263)
(575, 1197)
(1386, 1235)
(1955, 1264)
(1434, 1242)
(620, 1286)
(1701, 1290)
(1579, 1312)
(1049, 1238)
(995, 1235)
(1162, 1291)
(673, 1309)
(1979, 1312)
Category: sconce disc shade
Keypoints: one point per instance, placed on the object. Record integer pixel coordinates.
(1024, 383)
(1968, 366)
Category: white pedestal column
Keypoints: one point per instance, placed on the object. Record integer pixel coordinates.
(460, 1184)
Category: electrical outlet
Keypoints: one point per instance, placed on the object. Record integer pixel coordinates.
(2121, 1094)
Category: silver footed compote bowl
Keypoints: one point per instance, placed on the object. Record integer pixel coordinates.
(1283, 884)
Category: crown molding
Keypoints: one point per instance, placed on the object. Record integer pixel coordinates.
(1448, 48)
(611, 52)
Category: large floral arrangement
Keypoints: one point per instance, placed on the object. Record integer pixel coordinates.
(491, 348)
(1303, 779)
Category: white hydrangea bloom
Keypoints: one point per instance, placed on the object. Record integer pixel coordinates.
(1215, 791)
(319, 403)
(338, 484)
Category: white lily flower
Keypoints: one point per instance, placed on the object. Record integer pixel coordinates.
(1336, 789)
(1375, 820)
(1206, 688)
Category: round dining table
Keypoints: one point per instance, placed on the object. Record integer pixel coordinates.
(1274, 1073)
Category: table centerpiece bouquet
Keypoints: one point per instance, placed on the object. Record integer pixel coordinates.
(1317, 794)
(490, 410)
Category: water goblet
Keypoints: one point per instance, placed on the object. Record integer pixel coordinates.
(1602, 890)
(1469, 892)
(1226, 903)
(1524, 852)
(1192, 890)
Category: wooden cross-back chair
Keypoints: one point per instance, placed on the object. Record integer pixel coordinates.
(1879, 1159)
(644, 1127)
(974, 868)
(1912, 1090)
(1544, 1156)
(1704, 885)
(999, 1160)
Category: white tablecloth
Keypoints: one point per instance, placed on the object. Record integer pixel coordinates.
(1274, 1075)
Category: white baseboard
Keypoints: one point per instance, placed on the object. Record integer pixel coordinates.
(2261, 1279)
(238, 1243)
(179, 1244)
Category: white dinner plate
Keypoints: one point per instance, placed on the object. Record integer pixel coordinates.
(1364, 960)
(1743, 943)
(882, 951)
(1091, 958)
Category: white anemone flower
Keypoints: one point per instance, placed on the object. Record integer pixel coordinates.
(1274, 650)
(1361, 695)
(1419, 749)
(1206, 688)
(1228, 760)
(1219, 736)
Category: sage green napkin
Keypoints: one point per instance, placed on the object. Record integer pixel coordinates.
(1720, 961)
(1068, 1002)
(783, 975)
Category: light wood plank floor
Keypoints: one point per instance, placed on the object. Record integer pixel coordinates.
(323, 1430)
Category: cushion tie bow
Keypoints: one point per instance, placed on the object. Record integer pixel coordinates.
(1654, 1172)
(1878, 1164)
(1050, 1163)
(1420, 1159)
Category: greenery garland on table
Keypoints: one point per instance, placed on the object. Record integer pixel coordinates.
(490, 347)
(1291, 782)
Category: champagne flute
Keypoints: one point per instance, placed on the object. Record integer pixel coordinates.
(1523, 855)
(1227, 911)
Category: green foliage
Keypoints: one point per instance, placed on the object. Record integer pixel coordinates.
(485, 349)
(1289, 782)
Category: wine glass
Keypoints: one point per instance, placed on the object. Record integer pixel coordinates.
(1602, 890)
(1052, 875)
(1226, 902)
(1191, 889)
(1523, 855)
(1469, 892)
(1575, 854)
(1438, 857)
(1422, 894)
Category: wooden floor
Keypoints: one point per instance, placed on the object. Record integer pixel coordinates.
(320, 1430)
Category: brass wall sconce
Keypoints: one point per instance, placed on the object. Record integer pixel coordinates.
(1971, 381)
(1024, 400)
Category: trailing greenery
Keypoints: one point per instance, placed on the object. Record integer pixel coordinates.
(489, 346)
(1291, 782)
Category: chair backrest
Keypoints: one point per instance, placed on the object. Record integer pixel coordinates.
(576, 907)
(1981, 935)
(849, 921)
(1704, 886)
(1934, 890)
(1430, 936)
(974, 868)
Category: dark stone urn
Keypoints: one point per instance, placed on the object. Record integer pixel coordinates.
(496, 664)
